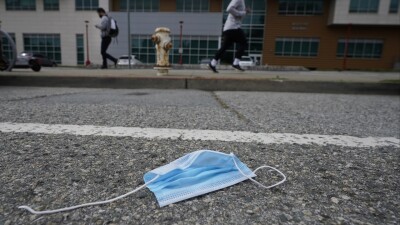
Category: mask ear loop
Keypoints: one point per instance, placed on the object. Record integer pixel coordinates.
(86, 204)
(261, 167)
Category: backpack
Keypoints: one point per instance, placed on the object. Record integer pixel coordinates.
(114, 30)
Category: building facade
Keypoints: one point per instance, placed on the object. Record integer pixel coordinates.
(322, 34)
(333, 34)
(52, 27)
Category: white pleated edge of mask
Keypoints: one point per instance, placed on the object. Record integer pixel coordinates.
(145, 185)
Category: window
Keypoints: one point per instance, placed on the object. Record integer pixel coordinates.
(80, 49)
(297, 47)
(192, 5)
(51, 5)
(394, 6)
(6, 46)
(88, 5)
(364, 6)
(360, 48)
(45, 44)
(25, 5)
(300, 7)
(143, 48)
(195, 48)
(140, 5)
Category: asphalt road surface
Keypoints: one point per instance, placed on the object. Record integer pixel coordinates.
(351, 177)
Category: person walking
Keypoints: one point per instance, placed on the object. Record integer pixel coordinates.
(232, 33)
(104, 27)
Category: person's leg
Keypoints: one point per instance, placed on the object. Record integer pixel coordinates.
(105, 42)
(110, 57)
(227, 42)
(241, 45)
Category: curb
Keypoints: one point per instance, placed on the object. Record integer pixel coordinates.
(93, 82)
(294, 86)
(206, 84)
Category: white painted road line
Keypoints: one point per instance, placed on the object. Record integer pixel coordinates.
(201, 135)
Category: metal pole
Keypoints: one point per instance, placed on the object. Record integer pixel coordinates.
(181, 45)
(87, 44)
(1, 44)
(129, 34)
(11, 43)
(346, 47)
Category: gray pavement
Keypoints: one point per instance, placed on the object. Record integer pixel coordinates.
(326, 184)
(349, 82)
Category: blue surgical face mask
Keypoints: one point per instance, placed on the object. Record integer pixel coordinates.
(192, 175)
(196, 174)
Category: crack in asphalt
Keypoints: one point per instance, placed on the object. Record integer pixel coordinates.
(230, 108)
(40, 97)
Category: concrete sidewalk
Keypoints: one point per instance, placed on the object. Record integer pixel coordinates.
(226, 80)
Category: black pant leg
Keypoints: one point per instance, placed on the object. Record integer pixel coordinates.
(227, 42)
(241, 43)
(105, 43)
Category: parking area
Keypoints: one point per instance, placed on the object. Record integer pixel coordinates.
(331, 182)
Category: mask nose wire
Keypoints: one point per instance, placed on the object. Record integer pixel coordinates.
(87, 204)
(261, 167)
